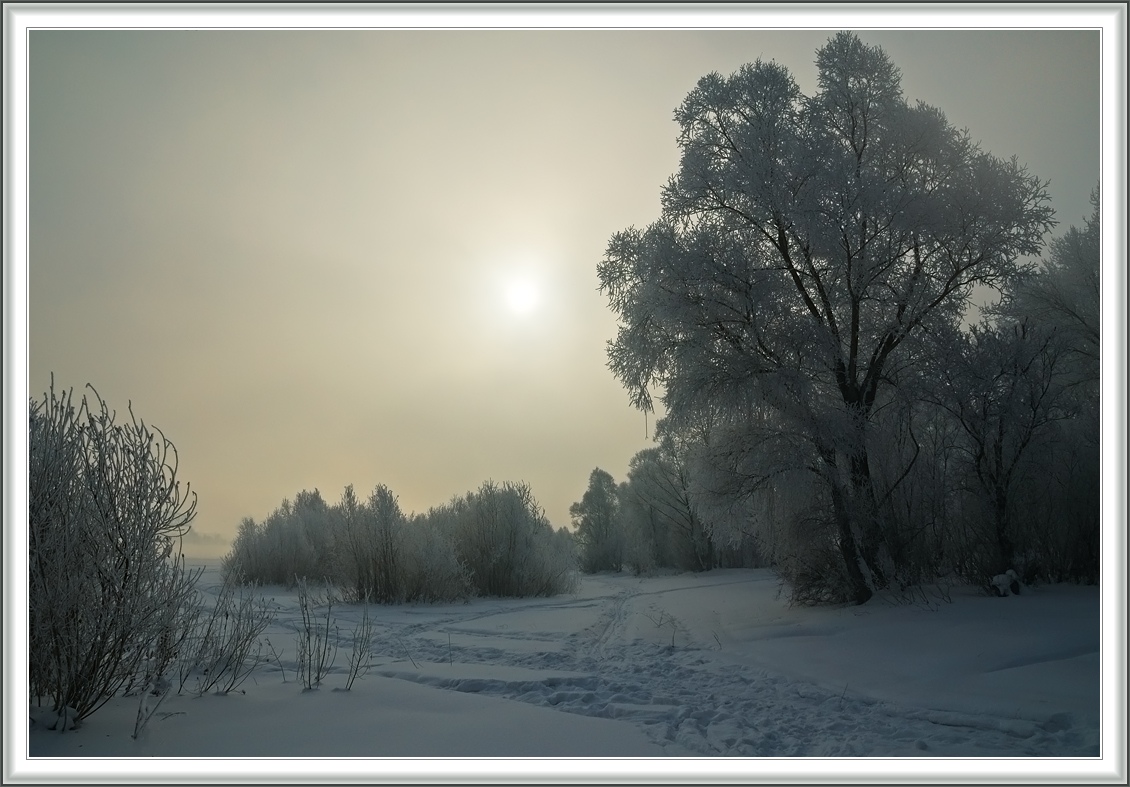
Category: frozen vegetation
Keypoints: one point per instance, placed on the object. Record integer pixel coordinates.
(714, 664)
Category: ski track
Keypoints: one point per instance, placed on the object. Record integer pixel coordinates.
(684, 695)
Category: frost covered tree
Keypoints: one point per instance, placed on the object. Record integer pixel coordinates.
(369, 543)
(385, 523)
(645, 537)
(806, 244)
(503, 538)
(1060, 303)
(370, 546)
(596, 522)
(352, 547)
(295, 541)
(109, 595)
(1064, 293)
(1004, 385)
(658, 491)
(432, 570)
(313, 518)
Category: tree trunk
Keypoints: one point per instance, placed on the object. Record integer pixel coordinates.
(865, 509)
(1003, 526)
(860, 590)
(857, 513)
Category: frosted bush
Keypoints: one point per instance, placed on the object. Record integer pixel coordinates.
(108, 592)
(502, 536)
(369, 547)
(432, 571)
(294, 541)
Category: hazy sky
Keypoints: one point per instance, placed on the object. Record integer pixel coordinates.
(295, 252)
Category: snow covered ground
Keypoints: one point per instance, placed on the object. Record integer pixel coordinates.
(644, 678)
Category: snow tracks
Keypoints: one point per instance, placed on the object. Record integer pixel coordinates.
(619, 653)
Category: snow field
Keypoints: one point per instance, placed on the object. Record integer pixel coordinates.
(707, 665)
(742, 700)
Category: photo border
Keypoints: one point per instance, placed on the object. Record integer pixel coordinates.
(1110, 18)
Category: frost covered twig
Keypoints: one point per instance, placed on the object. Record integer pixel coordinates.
(361, 657)
(408, 653)
(277, 659)
(226, 647)
(664, 620)
(151, 698)
(315, 658)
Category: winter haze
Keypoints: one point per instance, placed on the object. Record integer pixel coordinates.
(320, 258)
(425, 271)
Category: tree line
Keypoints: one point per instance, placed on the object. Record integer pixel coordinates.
(495, 541)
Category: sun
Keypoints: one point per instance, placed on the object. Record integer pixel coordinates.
(522, 297)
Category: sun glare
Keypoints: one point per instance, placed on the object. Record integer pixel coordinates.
(522, 297)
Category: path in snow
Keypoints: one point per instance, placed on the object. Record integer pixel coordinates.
(629, 658)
